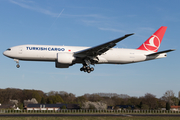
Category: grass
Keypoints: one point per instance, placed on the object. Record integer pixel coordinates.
(89, 118)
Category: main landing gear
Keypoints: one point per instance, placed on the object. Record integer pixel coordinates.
(87, 69)
(17, 61)
(86, 65)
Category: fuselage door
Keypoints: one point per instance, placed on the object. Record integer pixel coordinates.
(20, 50)
(132, 56)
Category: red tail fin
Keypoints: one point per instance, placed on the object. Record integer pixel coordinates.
(153, 42)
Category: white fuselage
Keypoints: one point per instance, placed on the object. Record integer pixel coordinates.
(49, 53)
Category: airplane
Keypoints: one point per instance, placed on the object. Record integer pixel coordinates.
(65, 56)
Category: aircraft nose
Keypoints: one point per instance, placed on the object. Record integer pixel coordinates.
(4, 53)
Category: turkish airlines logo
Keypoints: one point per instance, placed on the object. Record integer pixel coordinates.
(152, 44)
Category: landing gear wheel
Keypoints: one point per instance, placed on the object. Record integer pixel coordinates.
(81, 69)
(85, 70)
(17, 65)
(92, 69)
(88, 71)
(88, 68)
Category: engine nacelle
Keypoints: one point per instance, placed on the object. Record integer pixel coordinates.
(59, 65)
(64, 59)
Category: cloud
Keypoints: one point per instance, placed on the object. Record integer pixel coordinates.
(24, 4)
(90, 19)
(97, 21)
(112, 30)
(87, 16)
(146, 29)
(91, 22)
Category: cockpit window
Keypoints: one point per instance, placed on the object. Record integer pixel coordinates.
(8, 49)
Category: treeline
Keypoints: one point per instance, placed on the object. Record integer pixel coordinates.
(148, 101)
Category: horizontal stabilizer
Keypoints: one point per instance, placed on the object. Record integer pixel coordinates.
(157, 53)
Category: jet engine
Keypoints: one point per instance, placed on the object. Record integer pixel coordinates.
(64, 60)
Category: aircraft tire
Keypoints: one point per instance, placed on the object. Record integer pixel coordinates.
(92, 69)
(18, 66)
(81, 69)
(88, 68)
(85, 70)
(88, 71)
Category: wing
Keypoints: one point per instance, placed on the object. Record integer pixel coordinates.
(100, 49)
(157, 53)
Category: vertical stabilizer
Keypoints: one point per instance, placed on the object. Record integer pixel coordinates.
(153, 42)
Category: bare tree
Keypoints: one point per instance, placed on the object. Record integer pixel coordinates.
(150, 100)
(168, 97)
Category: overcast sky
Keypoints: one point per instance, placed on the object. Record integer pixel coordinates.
(90, 23)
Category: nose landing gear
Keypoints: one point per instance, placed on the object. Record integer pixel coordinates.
(18, 66)
(17, 61)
